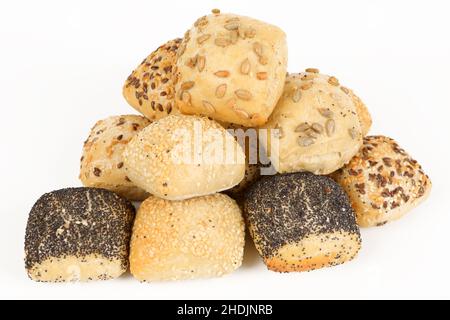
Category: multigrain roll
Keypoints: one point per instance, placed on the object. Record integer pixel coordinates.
(195, 238)
(181, 157)
(383, 182)
(231, 68)
(301, 222)
(78, 234)
(319, 127)
(150, 88)
(102, 163)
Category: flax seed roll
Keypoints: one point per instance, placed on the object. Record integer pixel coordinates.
(150, 88)
(102, 164)
(231, 68)
(319, 129)
(383, 182)
(78, 234)
(196, 238)
(301, 222)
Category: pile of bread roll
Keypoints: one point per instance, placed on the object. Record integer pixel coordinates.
(228, 71)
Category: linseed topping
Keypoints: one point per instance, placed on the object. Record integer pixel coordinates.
(153, 80)
(245, 66)
(389, 176)
(79, 222)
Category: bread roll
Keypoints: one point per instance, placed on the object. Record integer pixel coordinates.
(150, 89)
(102, 163)
(181, 157)
(195, 238)
(319, 128)
(232, 69)
(301, 222)
(383, 182)
(78, 234)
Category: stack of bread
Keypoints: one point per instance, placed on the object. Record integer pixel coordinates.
(228, 72)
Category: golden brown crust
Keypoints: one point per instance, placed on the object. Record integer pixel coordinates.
(336, 248)
(383, 182)
(102, 165)
(196, 238)
(154, 158)
(231, 68)
(150, 89)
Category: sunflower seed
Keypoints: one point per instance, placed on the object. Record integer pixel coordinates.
(317, 127)
(186, 97)
(201, 61)
(327, 113)
(352, 132)
(245, 66)
(242, 113)
(297, 95)
(305, 141)
(333, 81)
(303, 127)
(222, 74)
(258, 48)
(312, 70)
(187, 85)
(311, 133)
(203, 38)
(234, 36)
(221, 91)
(233, 25)
(222, 42)
(208, 106)
(345, 90)
(330, 127)
(243, 94)
(261, 75)
(306, 86)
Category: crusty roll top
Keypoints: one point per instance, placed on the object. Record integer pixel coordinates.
(231, 68)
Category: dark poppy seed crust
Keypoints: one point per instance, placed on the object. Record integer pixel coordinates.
(284, 210)
(76, 224)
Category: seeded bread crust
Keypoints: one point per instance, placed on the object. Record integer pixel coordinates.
(301, 222)
(319, 128)
(102, 164)
(149, 158)
(383, 182)
(232, 69)
(196, 238)
(150, 89)
(78, 234)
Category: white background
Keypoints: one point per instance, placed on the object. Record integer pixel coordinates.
(62, 66)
